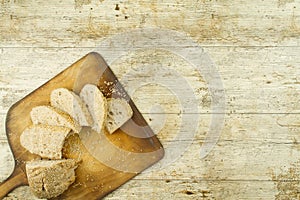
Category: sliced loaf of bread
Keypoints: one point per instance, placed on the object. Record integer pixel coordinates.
(96, 104)
(44, 140)
(119, 112)
(50, 178)
(55, 117)
(71, 103)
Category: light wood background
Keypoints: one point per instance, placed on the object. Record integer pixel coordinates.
(255, 47)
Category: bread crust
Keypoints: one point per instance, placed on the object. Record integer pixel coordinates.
(50, 178)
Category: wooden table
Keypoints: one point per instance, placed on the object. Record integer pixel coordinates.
(254, 46)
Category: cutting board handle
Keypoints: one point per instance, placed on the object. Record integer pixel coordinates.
(17, 178)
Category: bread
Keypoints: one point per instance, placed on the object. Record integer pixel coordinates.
(71, 103)
(96, 104)
(45, 141)
(119, 111)
(52, 116)
(50, 178)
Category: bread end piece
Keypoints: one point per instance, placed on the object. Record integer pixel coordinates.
(50, 178)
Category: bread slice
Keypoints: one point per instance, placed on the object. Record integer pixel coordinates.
(50, 178)
(45, 141)
(52, 116)
(71, 103)
(96, 104)
(119, 112)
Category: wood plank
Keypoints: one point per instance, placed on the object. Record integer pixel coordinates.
(195, 184)
(255, 79)
(254, 128)
(237, 156)
(213, 23)
(268, 128)
(182, 189)
(193, 188)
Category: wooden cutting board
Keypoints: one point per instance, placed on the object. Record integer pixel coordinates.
(105, 161)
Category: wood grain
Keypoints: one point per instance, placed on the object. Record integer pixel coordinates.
(255, 47)
(213, 23)
(251, 85)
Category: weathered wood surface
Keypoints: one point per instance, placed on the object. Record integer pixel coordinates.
(255, 47)
(214, 23)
